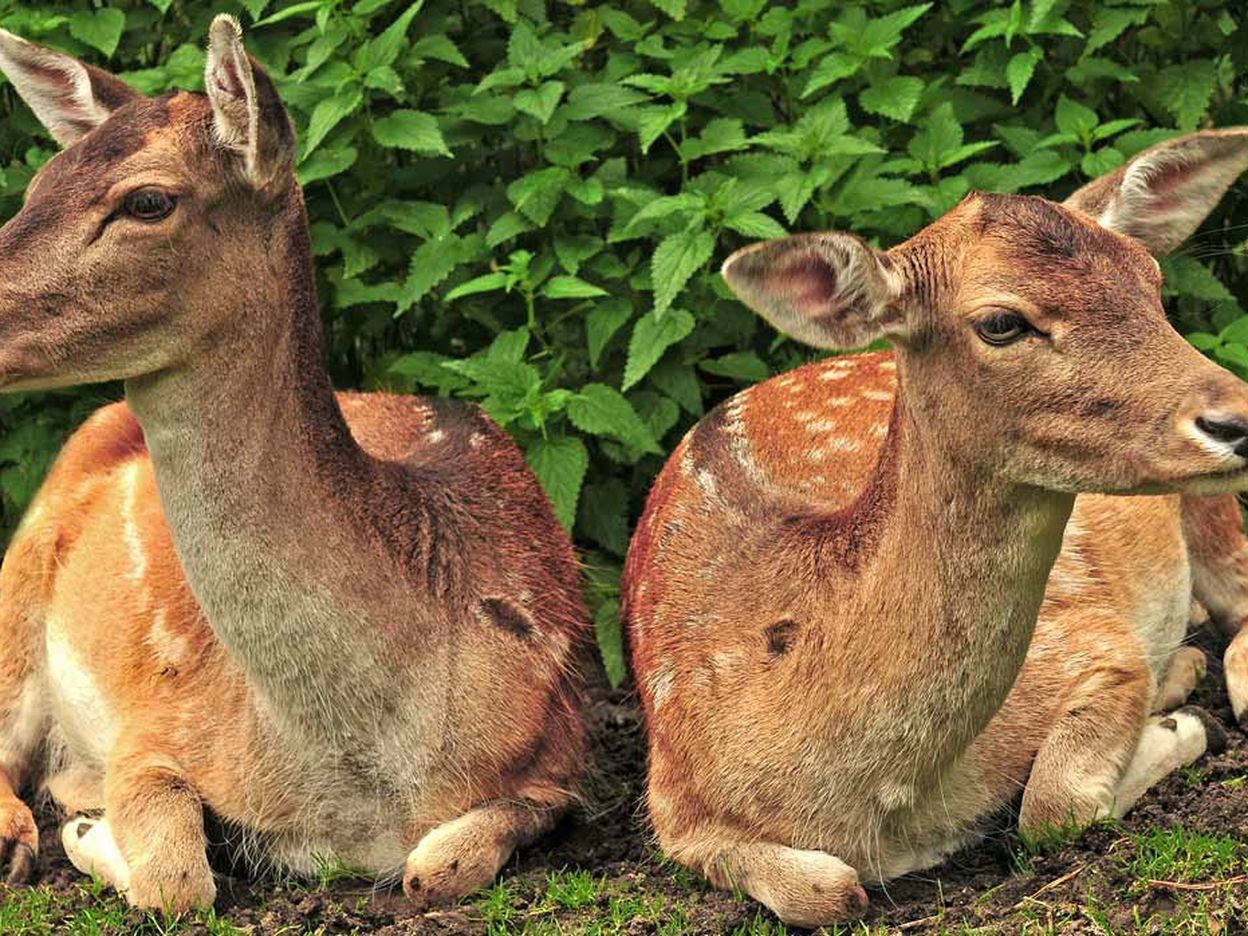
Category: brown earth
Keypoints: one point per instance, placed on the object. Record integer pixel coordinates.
(1087, 886)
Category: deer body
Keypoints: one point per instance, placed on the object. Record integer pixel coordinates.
(846, 691)
(347, 624)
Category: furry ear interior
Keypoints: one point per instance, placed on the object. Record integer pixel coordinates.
(69, 97)
(827, 290)
(1161, 196)
(248, 116)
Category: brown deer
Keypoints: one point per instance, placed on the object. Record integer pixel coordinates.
(344, 624)
(833, 588)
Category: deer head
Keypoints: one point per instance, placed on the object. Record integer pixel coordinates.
(133, 238)
(1030, 334)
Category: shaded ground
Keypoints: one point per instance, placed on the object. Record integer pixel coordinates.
(1178, 864)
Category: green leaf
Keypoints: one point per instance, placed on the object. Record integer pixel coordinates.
(1186, 89)
(756, 224)
(601, 324)
(608, 633)
(570, 287)
(1019, 70)
(384, 49)
(535, 195)
(896, 98)
(326, 162)
(1108, 23)
(1187, 276)
(560, 463)
(673, 8)
(587, 101)
(490, 282)
(431, 263)
(440, 47)
(603, 411)
(328, 114)
(830, 70)
(603, 516)
(540, 103)
(100, 29)
(745, 366)
(677, 258)
(652, 336)
(304, 8)
(410, 130)
(1072, 117)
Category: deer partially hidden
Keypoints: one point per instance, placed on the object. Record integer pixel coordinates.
(832, 592)
(351, 638)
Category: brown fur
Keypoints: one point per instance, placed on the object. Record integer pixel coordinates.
(241, 591)
(908, 535)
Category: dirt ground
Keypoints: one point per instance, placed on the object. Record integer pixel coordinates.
(1177, 864)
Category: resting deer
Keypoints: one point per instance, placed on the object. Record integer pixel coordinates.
(352, 638)
(833, 588)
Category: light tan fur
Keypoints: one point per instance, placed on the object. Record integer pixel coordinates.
(832, 591)
(346, 624)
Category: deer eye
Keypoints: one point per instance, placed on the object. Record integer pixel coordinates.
(149, 204)
(1002, 328)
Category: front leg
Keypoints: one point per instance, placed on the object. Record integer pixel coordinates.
(150, 845)
(464, 854)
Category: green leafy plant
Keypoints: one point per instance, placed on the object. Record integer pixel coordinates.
(524, 202)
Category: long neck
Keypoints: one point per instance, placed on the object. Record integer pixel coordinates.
(951, 587)
(256, 468)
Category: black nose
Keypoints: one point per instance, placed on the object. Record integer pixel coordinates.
(1229, 430)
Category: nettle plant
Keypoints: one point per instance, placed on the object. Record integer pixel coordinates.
(525, 203)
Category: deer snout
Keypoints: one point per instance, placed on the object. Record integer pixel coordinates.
(1224, 429)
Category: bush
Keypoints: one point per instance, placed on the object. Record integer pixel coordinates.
(524, 203)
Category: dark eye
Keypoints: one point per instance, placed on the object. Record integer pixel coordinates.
(149, 204)
(1002, 328)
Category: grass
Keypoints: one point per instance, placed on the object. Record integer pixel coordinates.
(91, 910)
(1182, 855)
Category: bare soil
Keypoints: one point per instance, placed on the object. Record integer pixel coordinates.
(1092, 885)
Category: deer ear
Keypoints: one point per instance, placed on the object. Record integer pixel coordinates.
(248, 116)
(69, 97)
(1161, 196)
(827, 290)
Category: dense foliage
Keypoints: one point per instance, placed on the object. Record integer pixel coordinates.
(525, 202)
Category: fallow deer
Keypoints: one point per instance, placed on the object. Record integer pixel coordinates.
(353, 638)
(833, 588)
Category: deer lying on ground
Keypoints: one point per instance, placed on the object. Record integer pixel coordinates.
(352, 638)
(832, 591)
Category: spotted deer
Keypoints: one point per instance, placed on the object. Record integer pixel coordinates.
(833, 588)
(344, 624)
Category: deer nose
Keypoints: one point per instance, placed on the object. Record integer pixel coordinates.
(1231, 431)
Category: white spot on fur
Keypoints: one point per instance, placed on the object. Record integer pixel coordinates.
(78, 706)
(170, 647)
(437, 435)
(477, 439)
(879, 430)
(888, 365)
(134, 541)
(834, 374)
(838, 401)
(879, 395)
(660, 685)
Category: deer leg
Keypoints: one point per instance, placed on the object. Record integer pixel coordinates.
(1167, 743)
(802, 887)
(464, 854)
(1075, 777)
(151, 845)
(1235, 668)
(1187, 668)
(19, 836)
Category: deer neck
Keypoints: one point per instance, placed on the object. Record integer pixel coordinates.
(260, 481)
(957, 576)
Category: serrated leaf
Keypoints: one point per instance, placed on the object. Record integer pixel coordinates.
(304, 8)
(328, 114)
(608, 634)
(1186, 89)
(896, 98)
(601, 324)
(604, 411)
(540, 103)
(673, 8)
(652, 335)
(1074, 118)
(588, 101)
(1187, 276)
(489, 282)
(440, 47)
(431, 263)
(384, 49)
(325, 163)
(831, 69)
(677, 258)
(560, 463)
(535, 195)
(570, 287)
(1018, 72)
(1108, 23)
(410, 130)
(100, 29)
(757, 225)
(745, 366)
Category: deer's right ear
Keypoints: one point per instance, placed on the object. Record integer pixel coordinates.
(827, 290)
(69, 97)
(248, 116)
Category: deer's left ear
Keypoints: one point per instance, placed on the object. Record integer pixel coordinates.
(1161, 196)
(248, 115)
(69, 97)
